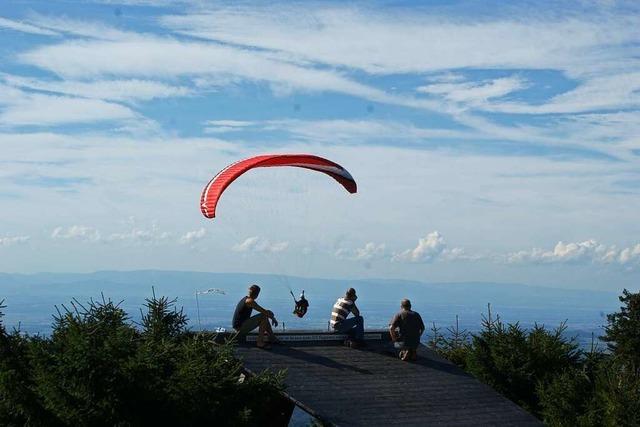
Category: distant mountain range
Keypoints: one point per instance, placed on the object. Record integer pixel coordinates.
(30, 299)
(183, 283)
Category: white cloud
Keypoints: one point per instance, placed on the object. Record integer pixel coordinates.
(475, 92)
(154, 57)
(361, 131)
(588, 251)
(294, 41)
(259, 244)
(150, 3)
(433, 248)
(369, 251)
(49, 110)
(25, 28)
(620, 128)
(80, 28)
(611, 92)
(76, 232)
(110, 90)
(21, 108)
(229, 123)
(596, 50)
(223, 126)
(455, 254)
(193, 236)
(147, 177)
(629, 255)
(140, 236)
(164, 57)
(429, 248)
(414, 41)
(13, 240)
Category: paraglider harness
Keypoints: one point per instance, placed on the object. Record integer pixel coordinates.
(301, 305)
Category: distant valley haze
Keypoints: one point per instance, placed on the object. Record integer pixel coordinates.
(30, 299)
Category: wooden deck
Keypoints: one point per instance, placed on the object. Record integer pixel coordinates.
(369, 387)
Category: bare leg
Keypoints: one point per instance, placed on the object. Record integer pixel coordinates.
(269, 331)
(264, 323)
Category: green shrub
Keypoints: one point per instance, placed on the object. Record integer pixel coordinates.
(19, 404)
(548, 375)
(568, 400)
(83, 371)
(516, 362)
(454, 346)
(618, 381)
(617, 394)
(98, 369)
(622, 333)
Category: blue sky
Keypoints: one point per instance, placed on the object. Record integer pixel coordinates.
(489, 142)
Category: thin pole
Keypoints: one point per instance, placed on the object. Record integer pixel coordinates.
(198, 308)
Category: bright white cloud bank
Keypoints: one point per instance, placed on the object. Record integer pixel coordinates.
(429, 249)
(588, 251)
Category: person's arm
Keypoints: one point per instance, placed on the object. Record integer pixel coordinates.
(393, 333)
(253, 304)
(392, 328)
(421, 325)
(355, 310)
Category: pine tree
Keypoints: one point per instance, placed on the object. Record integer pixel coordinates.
(622, 333)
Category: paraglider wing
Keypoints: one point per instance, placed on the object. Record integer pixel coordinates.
(212, 192)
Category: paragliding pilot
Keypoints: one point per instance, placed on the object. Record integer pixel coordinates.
(301, 305)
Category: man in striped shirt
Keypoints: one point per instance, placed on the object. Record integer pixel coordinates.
(354, 326)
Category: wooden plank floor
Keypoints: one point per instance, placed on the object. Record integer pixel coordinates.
(349, 387)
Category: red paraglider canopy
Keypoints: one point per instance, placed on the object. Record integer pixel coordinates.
(212, 192)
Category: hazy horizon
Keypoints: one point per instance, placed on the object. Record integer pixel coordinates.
(310, 277)
(30, 299)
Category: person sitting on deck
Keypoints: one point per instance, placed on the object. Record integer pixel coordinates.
(244, 323)
(353, 326)
(410, 327)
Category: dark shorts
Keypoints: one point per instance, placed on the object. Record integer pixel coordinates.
(250, 324)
